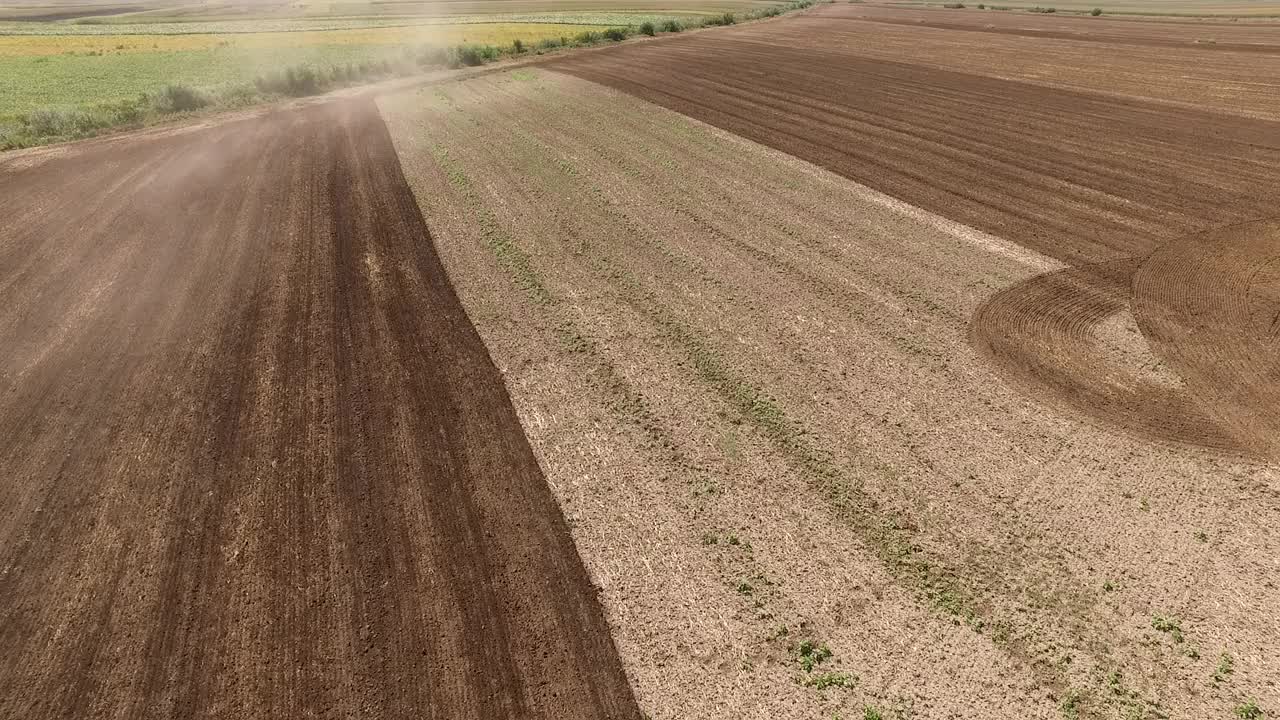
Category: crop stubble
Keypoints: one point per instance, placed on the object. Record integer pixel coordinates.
(257, 463)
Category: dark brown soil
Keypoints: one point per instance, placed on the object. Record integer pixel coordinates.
(257, 462)
(1201, 34)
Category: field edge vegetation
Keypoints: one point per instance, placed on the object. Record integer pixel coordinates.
(61, 123)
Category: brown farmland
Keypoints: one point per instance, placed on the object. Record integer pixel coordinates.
(867, 362)
(1261, 36)
(752, 387)
(1099, 178)
(257, 462)
(773, 400)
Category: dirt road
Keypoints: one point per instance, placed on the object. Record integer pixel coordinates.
(257, 462)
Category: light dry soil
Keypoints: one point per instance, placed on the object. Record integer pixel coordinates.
(751, 386)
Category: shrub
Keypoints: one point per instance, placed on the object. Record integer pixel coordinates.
(473, 55)
(46, 121)
(122, 112)
(647, 28)
(179, 98)
(671, 26)
(953, 6)
(981, 6)
(295, 81)
(72, 122)
(1095, 12)
(83, 122)
(517, 46)
(301, 80)
(1038, 9)
(588, 37)
(11, 137)
(238, 95)
(615, 34)
(550, 43)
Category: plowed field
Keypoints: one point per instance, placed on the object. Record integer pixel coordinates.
(256, 461)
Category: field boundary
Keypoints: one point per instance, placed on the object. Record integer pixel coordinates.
(45, 126)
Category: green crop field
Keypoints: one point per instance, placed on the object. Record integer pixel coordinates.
(87, 60)
(60, 70)
(71, 69)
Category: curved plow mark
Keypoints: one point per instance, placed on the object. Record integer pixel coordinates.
(1210, 304)
(1048, 336)
(1204, 369)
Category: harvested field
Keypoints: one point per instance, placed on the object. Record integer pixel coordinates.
(257, 461)
(751, 384)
